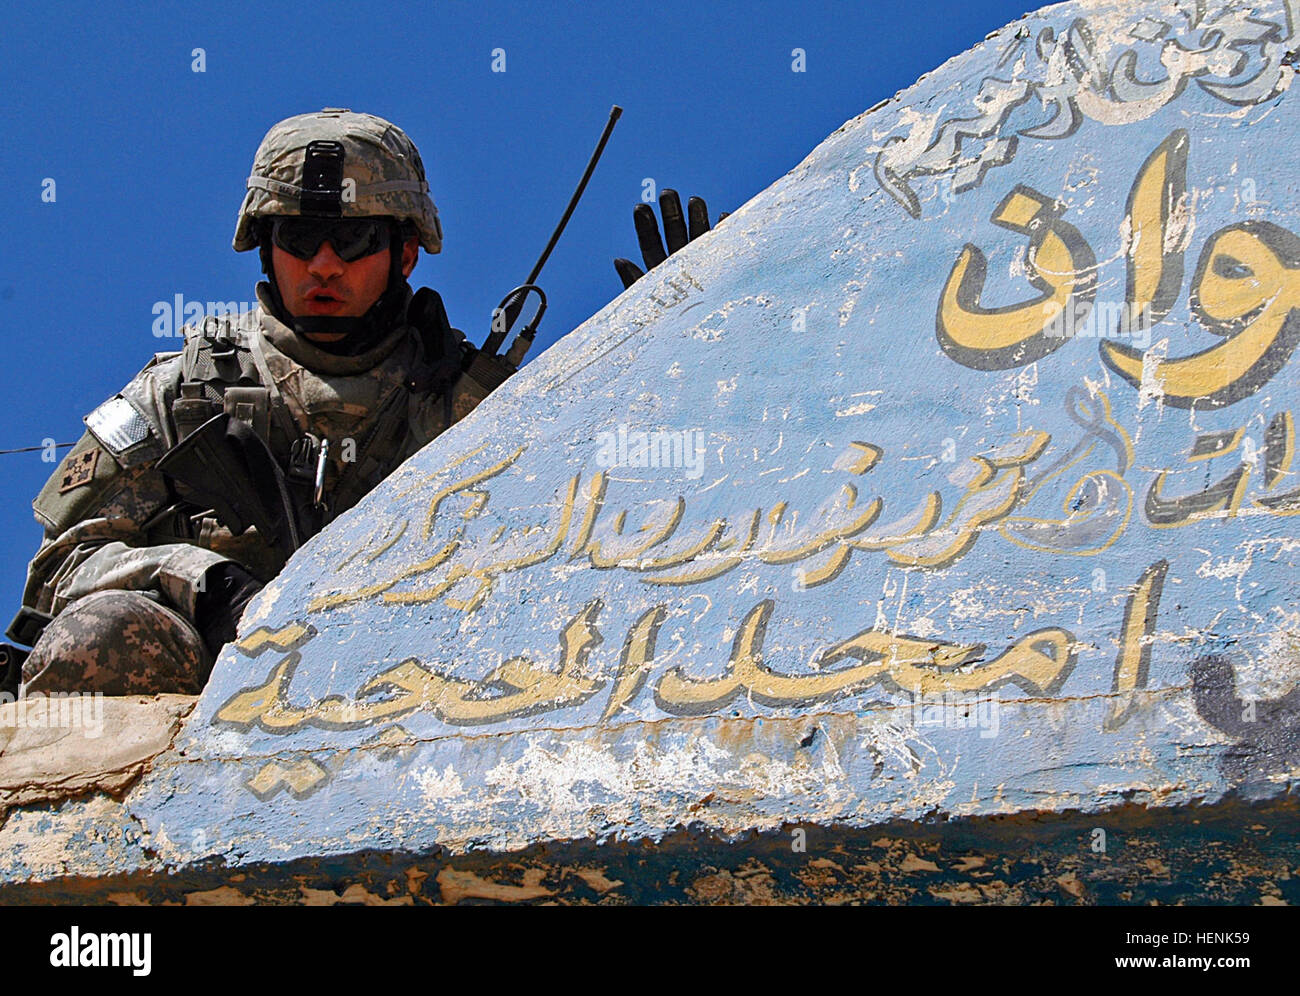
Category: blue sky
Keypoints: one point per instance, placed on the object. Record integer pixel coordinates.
(149, 158)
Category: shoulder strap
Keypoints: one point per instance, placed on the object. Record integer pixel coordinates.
(284, 419)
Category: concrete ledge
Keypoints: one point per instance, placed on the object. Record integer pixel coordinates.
(1232, 853)
(62, 747)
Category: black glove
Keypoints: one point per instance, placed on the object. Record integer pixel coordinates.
(226, 591)
(675, 231)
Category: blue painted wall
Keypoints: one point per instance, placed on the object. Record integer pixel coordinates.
(929, 529)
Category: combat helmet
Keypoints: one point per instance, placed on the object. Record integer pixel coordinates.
(337, 163)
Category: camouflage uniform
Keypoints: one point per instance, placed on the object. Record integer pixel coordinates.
(122, 562)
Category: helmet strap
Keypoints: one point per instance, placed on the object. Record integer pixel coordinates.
(359, 333)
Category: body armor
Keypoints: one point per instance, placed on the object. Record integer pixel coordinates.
(135, 525)
(114, 522)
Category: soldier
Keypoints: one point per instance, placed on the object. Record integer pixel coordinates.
(191, 487)
(341, 374)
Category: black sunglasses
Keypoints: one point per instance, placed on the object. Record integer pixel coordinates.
(351, 238)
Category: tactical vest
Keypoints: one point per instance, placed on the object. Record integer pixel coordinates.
(224, 368)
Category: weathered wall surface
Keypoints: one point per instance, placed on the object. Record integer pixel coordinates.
(954, 474)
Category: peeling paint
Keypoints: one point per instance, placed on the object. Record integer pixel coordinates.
(952, 550)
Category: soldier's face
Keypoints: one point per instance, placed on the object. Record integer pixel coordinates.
(326, 285)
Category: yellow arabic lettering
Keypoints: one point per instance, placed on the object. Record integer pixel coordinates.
(993, 491)
(595, 502)
(322, 602)
(1279, 452)
(1246, 289)
(517, 687)
(1155, 262)
(705, 567)
(268, 707)
(920, 522)
(466, 485)
(1137, 635)
(486, 575)
(817, 538)
(1062, 268)
(639, 543)
(284, 639)
(1039, 663)
(636, 661)
(1225, 494)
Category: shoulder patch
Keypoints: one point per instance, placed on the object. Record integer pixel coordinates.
(78, 487)
(117, 425)
(78, 471)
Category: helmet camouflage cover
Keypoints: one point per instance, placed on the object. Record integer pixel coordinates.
(382, 174)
